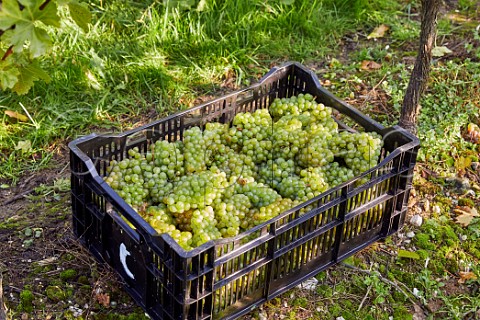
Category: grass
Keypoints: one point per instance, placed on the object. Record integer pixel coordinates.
(143, 57)
(142, 61)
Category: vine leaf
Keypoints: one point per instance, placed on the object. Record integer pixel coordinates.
(26, 24)
(28, 74)
(8, 76)
(80, 14)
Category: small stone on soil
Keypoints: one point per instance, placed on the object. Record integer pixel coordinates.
(416, 220)
(410, 234)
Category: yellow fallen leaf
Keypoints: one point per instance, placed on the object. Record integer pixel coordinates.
(464, 276)
(16, 115)
(440, 51)
(24, 146)
(378, 32)
(457, 17)
(465, 215)
(370, 65)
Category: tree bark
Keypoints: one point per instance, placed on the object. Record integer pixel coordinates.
(421, 69)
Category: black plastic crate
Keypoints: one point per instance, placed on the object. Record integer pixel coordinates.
(227, 278)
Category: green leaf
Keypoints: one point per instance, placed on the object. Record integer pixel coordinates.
(24, 145)
(24, 31)
(8, 77)
(48, 15)
(26, 25)
(80, 14)
(408, 254)
(10, 14)
(29, 74)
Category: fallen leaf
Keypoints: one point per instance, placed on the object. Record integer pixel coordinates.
(465, 215)
(407, 254)
(473, 132)
(16, 115)
(370, 65)
(457, 17)
(378, 32)
(24, 145)
(103, 299)
(440, 51)
(464, 276)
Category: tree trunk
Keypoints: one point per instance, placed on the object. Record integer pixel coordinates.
(421, 69)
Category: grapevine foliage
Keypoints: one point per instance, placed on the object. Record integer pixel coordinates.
(24, 38)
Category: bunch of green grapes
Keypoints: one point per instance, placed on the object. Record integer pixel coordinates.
(260, 194)
(247, 126)
(203, 225)
(316, 152)
(273, 172)
(126, 177)
(233, 163)
(288, 138)
(194, 150)
(168, 157)
(194, 191)
(295, 188)
(258, 150)
(360, 151)
(314, 179)
(161, 220)
(272, 210)
(336, 174)
(229, 212)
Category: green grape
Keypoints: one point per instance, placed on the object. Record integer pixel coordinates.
(259, 194)
(273, 171)
(314, 179)
(127, 179)
(194, 150)
(295, 188)
(360, 151)
(229, 212)
(194, 191)
(233, 164)
(203, 225)
(336, 174)
(168, 157)
(272, 210)
(161, 220)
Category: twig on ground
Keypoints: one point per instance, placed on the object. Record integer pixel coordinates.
(18, 196)
(387, 281)
(364, 298)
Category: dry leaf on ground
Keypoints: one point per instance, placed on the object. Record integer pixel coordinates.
(15, 115)
(440, 51)
(465, 215)
(464, 276)
(378, 32)
(103, 299)
(370, 65)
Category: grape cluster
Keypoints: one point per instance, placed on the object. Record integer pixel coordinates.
(223, 180)
(360, 151)
(274, 171)
(230, 212)
(127, 178)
